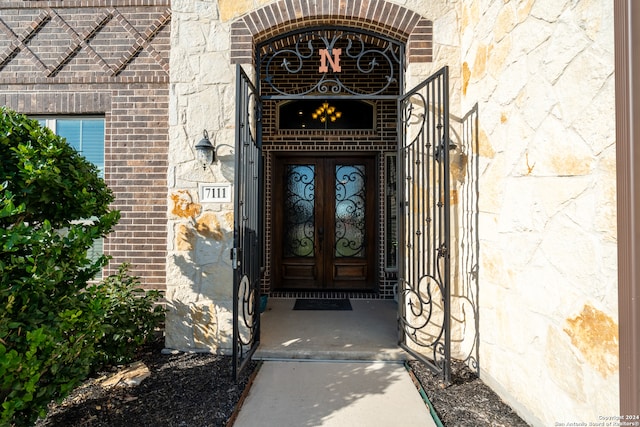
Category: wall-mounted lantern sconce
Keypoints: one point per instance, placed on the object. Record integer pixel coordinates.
(205, 151)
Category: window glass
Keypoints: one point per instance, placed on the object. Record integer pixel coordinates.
(86, 135)
(333, 114)
(391, 241)
(70, 129)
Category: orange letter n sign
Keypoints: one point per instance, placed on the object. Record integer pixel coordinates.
(334, 62)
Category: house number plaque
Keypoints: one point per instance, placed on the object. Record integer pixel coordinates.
(217, 193)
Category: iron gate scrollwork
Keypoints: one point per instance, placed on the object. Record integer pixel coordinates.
(424, 211)
(247, 239)
(361, 52)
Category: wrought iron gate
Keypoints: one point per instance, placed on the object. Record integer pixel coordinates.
(423, 172)
(247, 239)
(424, 240)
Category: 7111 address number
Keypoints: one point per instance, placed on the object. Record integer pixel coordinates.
(217, 193)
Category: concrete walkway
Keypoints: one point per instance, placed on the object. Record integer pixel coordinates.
(368, 332)
(332, 368)
(312, 393)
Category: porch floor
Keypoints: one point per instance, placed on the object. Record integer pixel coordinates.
(367, 332)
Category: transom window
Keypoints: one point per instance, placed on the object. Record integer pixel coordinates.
(331, 114)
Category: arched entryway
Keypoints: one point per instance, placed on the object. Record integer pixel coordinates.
(380, 16)
(331, 125)
(329, 135)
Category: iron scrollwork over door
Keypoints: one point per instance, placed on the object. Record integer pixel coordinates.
(247, 232)
(424, 272)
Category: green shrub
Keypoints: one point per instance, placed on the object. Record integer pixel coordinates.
(131, 316)
(53, 328)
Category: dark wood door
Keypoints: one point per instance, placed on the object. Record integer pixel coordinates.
(324, 222)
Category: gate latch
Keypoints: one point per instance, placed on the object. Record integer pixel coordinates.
(235, 252)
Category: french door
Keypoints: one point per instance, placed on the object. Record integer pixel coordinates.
(324, 218)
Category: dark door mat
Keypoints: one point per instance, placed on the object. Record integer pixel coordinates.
(322, 304)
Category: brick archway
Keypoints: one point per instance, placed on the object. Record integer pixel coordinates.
(380, 16)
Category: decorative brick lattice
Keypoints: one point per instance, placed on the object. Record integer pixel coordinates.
(102, 41)
(20, 42)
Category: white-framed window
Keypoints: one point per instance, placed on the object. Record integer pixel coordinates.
(86, 135)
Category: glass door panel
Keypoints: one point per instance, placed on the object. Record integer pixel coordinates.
(350, 204)
(299, 211)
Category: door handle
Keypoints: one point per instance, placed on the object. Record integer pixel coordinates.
(320, 236)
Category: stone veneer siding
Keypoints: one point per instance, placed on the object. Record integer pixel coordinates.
(542, 72)
(536, 182)
(110, 59)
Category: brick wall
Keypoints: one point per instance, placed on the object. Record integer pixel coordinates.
(379, 140)
(380, 16)
(109, 59)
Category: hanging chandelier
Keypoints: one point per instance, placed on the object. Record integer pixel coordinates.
(326, 113)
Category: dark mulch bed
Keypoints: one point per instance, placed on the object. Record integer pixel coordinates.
(184, 389)
(193, 390)
(467, 401)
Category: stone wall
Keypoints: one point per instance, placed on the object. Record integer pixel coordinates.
(543, 75)
(533, 194)
(200, 235)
